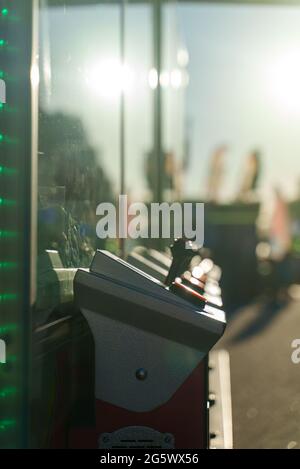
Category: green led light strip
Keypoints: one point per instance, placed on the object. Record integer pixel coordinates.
(8, 297)
(7, 171)
(7, 202)
(4, 12)
(4, 234)
(9, 391)
(6, 424)
(6, 392)
(6, 108)
(8, 265)
(8, 328)
(6, 139)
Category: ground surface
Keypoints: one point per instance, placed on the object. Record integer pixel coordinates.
(265, 383)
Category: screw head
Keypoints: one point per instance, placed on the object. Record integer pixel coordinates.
(141, 374)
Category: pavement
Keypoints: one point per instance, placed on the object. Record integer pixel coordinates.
(265, 382)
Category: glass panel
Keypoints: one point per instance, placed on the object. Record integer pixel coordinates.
(242, 114)
(79, 121)
(78, 168)
(243, 98)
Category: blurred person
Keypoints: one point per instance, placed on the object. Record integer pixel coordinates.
(251, 176)
(216, 174)
(171, 175)
(280, 228)
(280, 235)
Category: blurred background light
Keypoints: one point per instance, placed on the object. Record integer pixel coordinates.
(164, 79)
(283, 82)
(183, 57)
(153, 78)
(176, 78)
(109, 78)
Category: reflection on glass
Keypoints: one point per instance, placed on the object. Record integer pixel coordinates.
(235, 134)
(243, 93)
(81, 82)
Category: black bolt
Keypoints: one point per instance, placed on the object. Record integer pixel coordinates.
(212, 399)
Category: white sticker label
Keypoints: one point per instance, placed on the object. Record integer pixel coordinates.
(2, 351)
(2, 92)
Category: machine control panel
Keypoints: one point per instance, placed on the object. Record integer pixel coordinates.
(114, 288)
